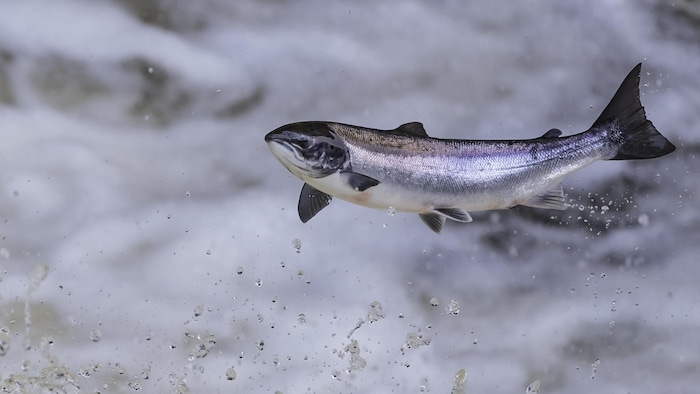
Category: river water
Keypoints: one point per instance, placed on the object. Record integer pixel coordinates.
(150, 241)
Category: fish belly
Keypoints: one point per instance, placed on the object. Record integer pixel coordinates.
(411, 199)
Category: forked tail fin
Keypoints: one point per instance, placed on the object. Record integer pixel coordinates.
(636, 137)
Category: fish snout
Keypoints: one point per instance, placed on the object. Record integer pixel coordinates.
(276, 136)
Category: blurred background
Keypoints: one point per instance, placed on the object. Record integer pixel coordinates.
(150, 241)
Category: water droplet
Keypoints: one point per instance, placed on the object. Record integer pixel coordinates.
(39, 273)
(208, 252)
(239, 270)
(594, 368)
(258, 282)
(202, 347)
(375, 312)
(199, 351)
(460, 382)
(434, 302)
(198, 310)
(150, 70)
(453, 307)
(301, 318)
(391, 211)
(218, 90)
(534, 387)
(231, 374)
(414, 340)
(611, 324)
(95, 335)
(356, 361)
(187, 193)
(643, 219)
(296, 243)
(260, 344)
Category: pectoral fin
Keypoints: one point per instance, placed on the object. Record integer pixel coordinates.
(359, 182)
(311, 202)
(433, 220)
(552, 198)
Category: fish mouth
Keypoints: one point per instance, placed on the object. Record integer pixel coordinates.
(283, 150)
(288, 156)
(273, 136)
(284, 133)
(283, 138)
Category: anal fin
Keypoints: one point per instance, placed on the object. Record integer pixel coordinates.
(552, 198)
(434, 221)
(311, 202)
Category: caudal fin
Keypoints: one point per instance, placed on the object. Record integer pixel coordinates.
(636, 136)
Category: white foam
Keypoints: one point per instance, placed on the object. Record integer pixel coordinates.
(141, 221)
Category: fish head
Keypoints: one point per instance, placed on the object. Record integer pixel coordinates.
(308, 149)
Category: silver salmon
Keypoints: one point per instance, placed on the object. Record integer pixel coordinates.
(407, 171)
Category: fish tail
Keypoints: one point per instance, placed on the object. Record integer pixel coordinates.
(633, 135)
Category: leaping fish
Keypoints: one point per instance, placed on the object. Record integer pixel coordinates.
(406, 170)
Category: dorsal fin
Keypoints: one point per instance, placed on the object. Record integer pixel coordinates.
(413, 128)
(551, 133)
